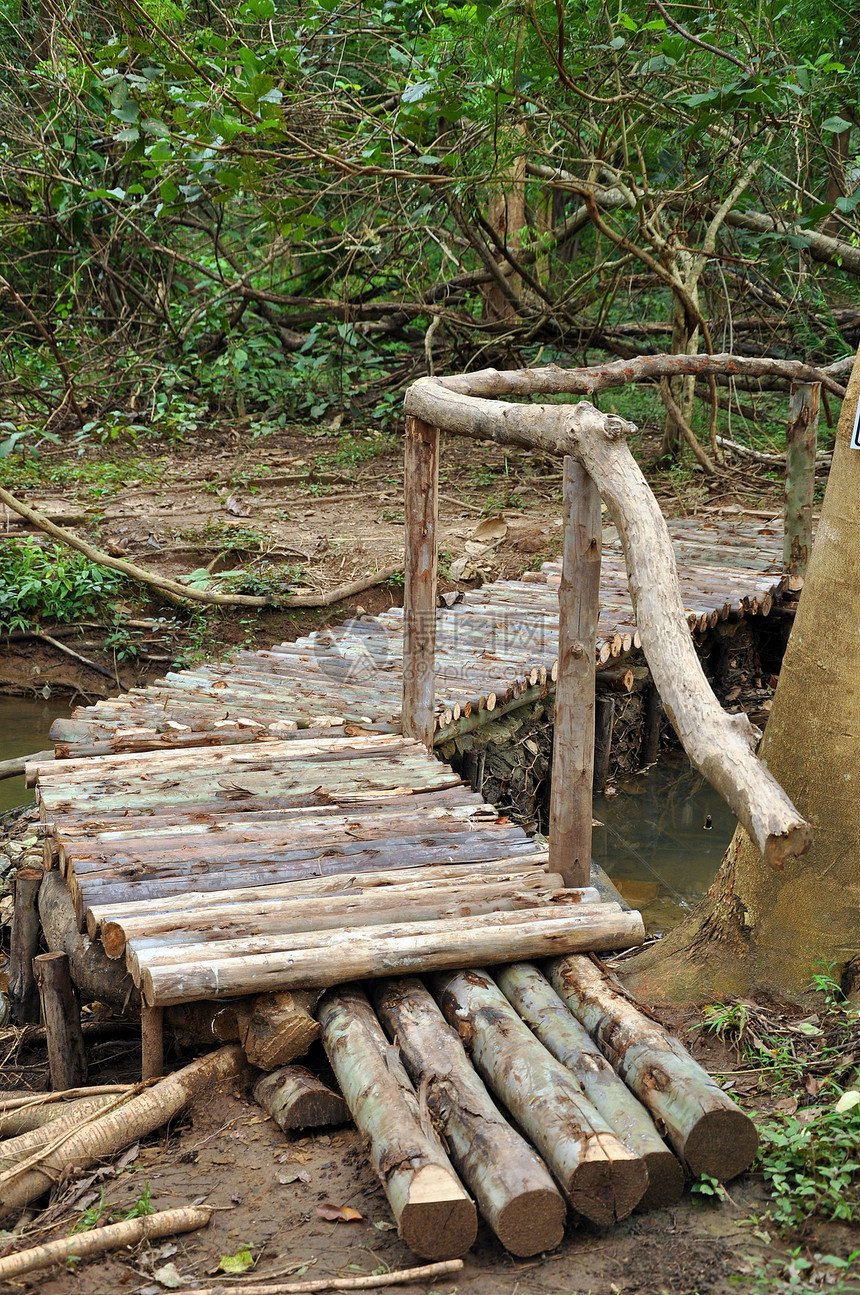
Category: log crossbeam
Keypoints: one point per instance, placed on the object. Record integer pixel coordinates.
(721, 746)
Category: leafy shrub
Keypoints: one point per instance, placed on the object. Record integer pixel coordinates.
(49, 582)
(812, 1166)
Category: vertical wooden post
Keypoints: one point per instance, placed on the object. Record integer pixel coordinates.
(573, 739)
(24, 945)
(61, 1008)
(151, 1042)
(421, 491)
(800, 444)
(604, 722)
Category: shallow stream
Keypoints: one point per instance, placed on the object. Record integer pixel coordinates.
(662, 839)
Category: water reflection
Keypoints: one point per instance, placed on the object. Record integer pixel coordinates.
(24, 725)
(664, 835)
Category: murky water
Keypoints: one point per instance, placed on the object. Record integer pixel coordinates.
(664, 835)
(24, 725)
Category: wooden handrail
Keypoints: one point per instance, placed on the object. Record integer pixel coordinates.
(720, 745)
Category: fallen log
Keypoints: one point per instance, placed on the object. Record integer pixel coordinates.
(96, 977)
(435, 1216)
(37, 1115)
(67, 1120)
(562, 1034)
(296, 1099)
(110, 1133)
(368, 1281)
(702, 1122)
(363, 952)
(603, 1180)
(15, 768)
(511, 1185)
(23, 990)
(276, 1028)
(61, 1012)
(164, 1223)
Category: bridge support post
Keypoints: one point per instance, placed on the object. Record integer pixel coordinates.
(421, 494)
(801, 439)
(573, 740)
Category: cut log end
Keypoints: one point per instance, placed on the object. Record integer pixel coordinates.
(722, 1144)
(606, 1191)
(665, 1180)
(439, 1221)
(787, 845)
(532, 1223)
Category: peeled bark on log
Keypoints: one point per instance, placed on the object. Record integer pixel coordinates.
(435, 1216)
(23, 990)
(96, 977)
(164, 1223)
(27, 1119)
(514, 1192)
(702, 1122)
(61, 1009)
(276, 1028)
(720, 745)
(67, 1120)
(602, 1179)
(562, 1034)
(296, 1099)
(363, 953)
(109, 1134)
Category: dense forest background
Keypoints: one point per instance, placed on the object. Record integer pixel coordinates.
(285, 210)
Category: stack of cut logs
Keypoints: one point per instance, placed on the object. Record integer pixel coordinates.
(592, 1083)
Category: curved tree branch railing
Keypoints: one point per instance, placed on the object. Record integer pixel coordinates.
(720, 745)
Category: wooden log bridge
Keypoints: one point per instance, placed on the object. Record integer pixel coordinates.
(239, 837)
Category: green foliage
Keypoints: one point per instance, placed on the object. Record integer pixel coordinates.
(50, 582)
(811, 1166)
(101, 1212)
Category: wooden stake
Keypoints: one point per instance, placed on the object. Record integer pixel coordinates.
(603, 726)
(514, 1191)
(801, 439)
(573, 739)
(61, 1008)
(434, 1214)
(23, 990)
(651, 732)
(151, 1042)
(421, 485)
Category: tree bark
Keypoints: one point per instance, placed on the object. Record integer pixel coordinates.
(434, 1214)
(96, 977)
(563, 1035)
(421, 487)
(296, 1099)
(602, 1179)
(511, 1185)
(703, 1124)
(758, 931)
(800, 444)
(61, 1009)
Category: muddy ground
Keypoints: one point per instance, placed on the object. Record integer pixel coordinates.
(329, 507)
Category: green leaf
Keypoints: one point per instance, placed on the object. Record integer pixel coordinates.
(152, 126)
(837, 124)
(240, 1262)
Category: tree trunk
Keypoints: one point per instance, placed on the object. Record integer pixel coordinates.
(434, 1214)
(511, 1184)
(761, 930)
